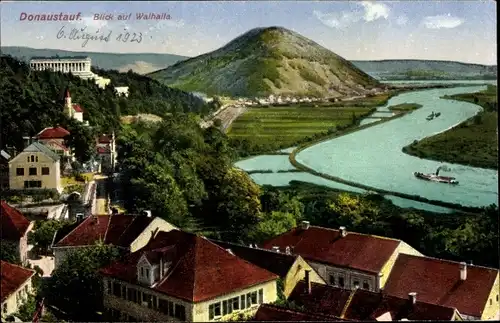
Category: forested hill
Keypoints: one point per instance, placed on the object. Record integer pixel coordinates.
(33, 100)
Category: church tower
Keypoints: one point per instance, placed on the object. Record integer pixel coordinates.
(68, 106)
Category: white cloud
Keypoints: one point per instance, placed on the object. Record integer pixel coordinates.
(442, 21)
(371, 11)
(402, 20)
(374, 11)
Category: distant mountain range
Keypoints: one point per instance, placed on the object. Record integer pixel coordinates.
(144, 63)
(266, 61)
(141, 63)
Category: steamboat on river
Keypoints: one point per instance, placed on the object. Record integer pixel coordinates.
(436, 178)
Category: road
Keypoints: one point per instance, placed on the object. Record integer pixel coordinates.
(99, 205)
(227, 115)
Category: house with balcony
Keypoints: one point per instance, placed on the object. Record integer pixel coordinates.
(36, 167)
(472, 290)
(14, 230)
(181, 276)
(15, 287)
(363, 305)
(127, 232)
(345, 259)
(290, 268)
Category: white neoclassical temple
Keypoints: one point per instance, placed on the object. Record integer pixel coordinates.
(77, 65)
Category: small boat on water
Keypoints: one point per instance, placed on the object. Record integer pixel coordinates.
(433, 115)
(437, 114)
(436, 178)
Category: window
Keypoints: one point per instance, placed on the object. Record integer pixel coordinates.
(236, 303)
(225, 310)
(170, 308)
(355, 284)
(32, 171)
(180, 312)
(28, 159)
(147, 298)
(45, 171)
(20, 171)
(109, 286)
(214, 311)
(491, 301)
(332, 280)
(261, 296)
(4, 308)
(142, 271)
(366, 285)
(497, 297)
(341, 281)
(163, 306)
(132, 295)
(117, 290)
(251, 299)
(32, 158)
(243, 303)
(26, 289)
(147, 273)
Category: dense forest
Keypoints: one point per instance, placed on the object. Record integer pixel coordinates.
(33, 100)
(185, 174)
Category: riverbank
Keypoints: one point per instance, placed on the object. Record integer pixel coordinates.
(331, 152)
(404, 107)
(473, 142)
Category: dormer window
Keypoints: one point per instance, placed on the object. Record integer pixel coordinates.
(144, 272)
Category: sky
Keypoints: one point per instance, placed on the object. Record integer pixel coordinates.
(462, 31)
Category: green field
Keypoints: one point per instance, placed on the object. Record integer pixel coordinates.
(283, 127)
(474, 142)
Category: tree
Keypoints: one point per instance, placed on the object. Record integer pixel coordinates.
(353, 210)
(43, 233)
(273, 224)
(75, 286)
(10, 253)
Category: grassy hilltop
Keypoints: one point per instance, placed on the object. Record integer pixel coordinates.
(267, 61)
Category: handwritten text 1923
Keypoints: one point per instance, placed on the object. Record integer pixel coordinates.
(105, 36)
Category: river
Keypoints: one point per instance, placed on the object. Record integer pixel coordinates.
(373, 156)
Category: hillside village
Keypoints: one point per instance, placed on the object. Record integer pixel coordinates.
(61, 226)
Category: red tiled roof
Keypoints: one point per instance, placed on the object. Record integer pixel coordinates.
(53, 142)
(103, 150)
(13, 223)
(357, 251)
(277, 263)
(438, 282)
(200, 269)
(53, 133)
(268, 312)
(116, 229)
(77, 107)
(104, 139)
(364, 305)
(13, 277)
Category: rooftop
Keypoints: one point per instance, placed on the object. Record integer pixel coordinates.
(12, 278)
(39, 147)
(438, 282)
(357, 251)
(13, 223)
(200, 269)
(59, 57)
(116, 229)
(268, 312)
(53, 133)
(277, 263)
(363, 305)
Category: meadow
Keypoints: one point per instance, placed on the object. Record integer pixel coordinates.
(473, 142)
(283, 127)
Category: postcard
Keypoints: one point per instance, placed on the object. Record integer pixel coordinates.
(249, 161)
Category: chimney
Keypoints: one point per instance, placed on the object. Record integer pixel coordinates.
(412, 297)
(304, 225)
(463, 271)
(307, 278)
(287, 250)
(276, 249)
(343, 232)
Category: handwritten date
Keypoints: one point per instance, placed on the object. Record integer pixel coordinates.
(85, 36)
